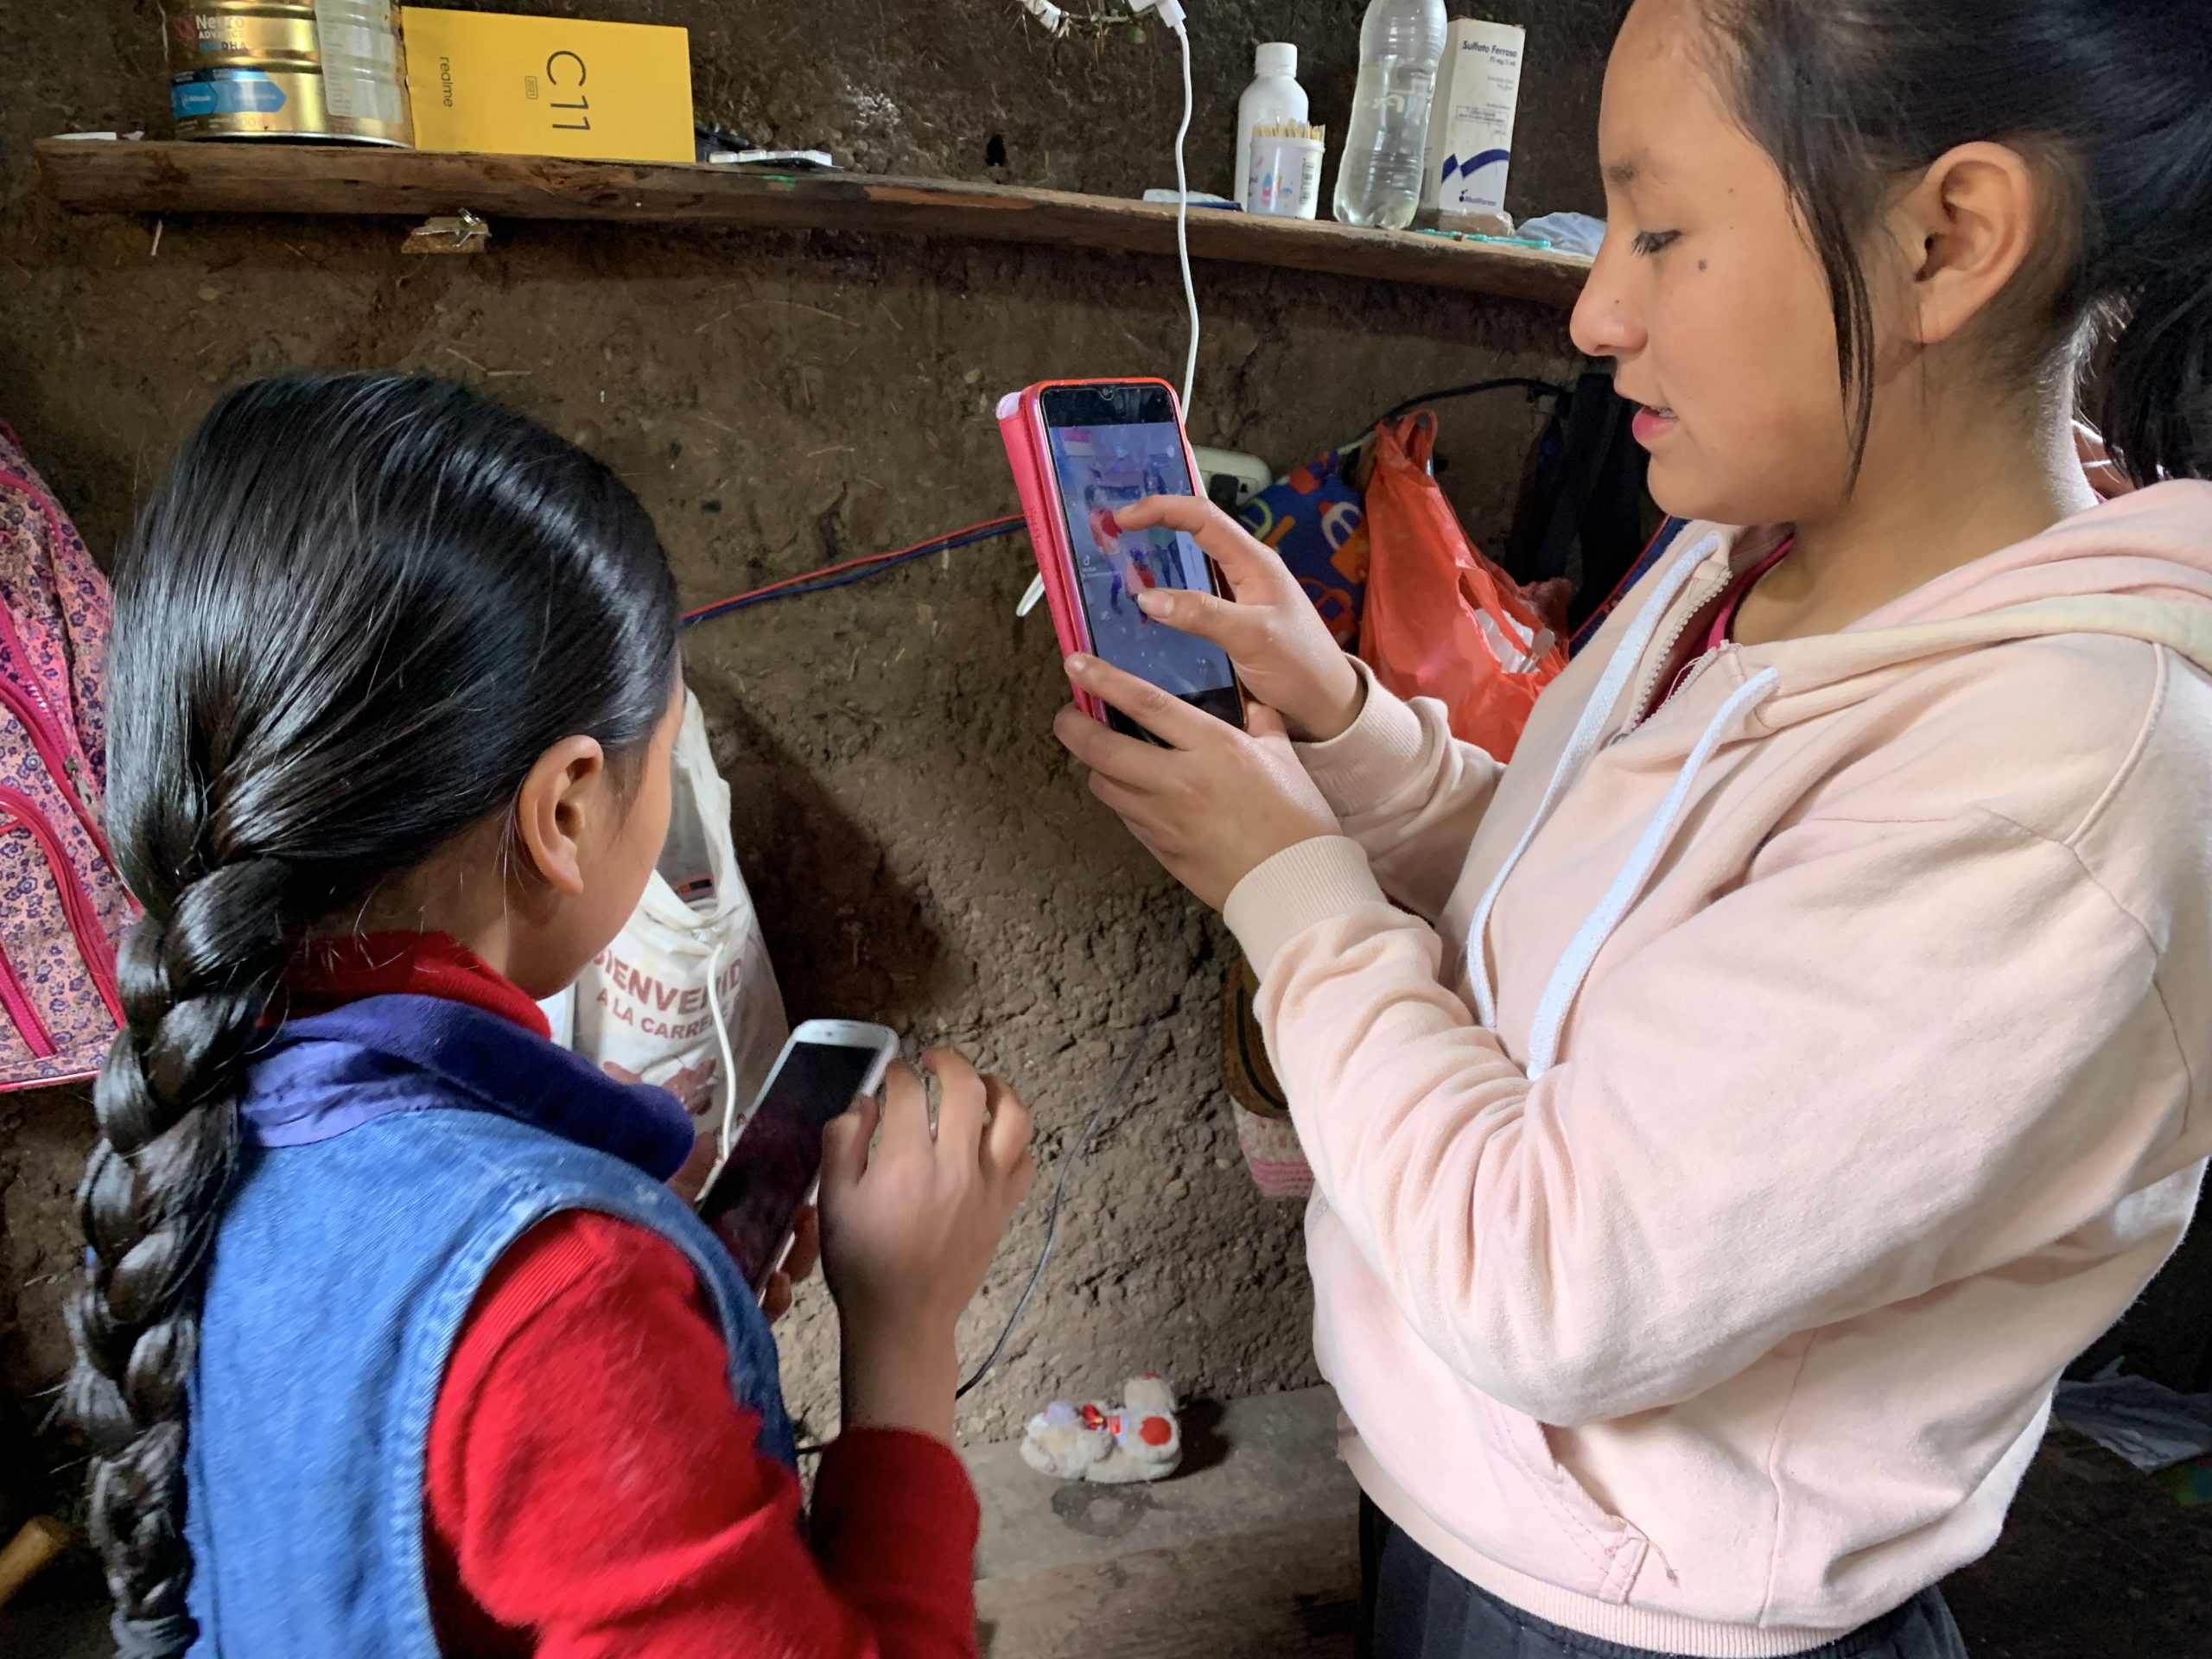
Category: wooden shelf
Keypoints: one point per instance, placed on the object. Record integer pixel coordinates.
(127, 176)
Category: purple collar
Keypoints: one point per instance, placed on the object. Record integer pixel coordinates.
(330, 1073)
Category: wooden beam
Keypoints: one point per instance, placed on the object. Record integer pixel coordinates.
(95, 176)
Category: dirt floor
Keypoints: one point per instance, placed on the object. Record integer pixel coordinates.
(919, 851)
(1249, 1553)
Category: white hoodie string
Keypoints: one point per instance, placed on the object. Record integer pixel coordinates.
(1582, 949)
(1589, 733)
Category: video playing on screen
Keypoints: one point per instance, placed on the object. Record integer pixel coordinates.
(1100, 469)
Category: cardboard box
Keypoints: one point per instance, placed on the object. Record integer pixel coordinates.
(549, 86)
(1471, 125)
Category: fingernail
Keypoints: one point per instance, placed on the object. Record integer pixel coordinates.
(1153, 602)
(1078, 665)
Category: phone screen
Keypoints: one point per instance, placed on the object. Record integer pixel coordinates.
(773, 1167)
(1112, 445)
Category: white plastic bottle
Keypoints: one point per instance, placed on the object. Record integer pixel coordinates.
(1273, 95)
(1378, 179)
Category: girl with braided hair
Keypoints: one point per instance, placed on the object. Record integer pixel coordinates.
(395, 1341)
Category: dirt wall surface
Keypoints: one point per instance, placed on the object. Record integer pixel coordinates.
(920, 851)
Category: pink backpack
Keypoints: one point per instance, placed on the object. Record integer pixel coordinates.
(62, 906)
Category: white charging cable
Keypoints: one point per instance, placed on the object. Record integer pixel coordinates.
(729, 1126)
(1171, 13)
(1182, 218)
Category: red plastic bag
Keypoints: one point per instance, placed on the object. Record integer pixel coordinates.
(1442, 621)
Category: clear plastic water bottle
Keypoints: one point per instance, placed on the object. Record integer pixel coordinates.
(1378, 180)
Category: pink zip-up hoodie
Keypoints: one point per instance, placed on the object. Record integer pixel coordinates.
(1695, 1253)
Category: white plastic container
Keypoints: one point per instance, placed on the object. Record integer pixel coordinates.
(1385, 146)
(1284, 178)
(1471, 135)
(1274, 96)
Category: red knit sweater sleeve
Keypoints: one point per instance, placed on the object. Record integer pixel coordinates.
(594, 1491)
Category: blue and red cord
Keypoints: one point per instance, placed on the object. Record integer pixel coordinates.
(853, 570)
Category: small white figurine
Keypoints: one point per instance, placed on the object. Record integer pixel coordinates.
(1141, 1442)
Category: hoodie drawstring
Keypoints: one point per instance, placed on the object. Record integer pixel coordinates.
(1574, 962)
(1589, 733)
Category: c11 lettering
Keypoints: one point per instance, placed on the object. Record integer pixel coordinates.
(564, 69)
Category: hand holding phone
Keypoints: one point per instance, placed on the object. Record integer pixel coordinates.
(1082, 452)
(910, 1220)
(752, 1200)
(1283, 653)
(1212, 803)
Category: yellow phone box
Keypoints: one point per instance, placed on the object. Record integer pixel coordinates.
(482, 80)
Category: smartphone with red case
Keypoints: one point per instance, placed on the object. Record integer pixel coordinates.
(1080, 449)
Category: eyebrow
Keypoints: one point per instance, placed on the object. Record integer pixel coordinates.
(1623, 173)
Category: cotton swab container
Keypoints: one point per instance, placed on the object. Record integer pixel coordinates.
(1286, 178)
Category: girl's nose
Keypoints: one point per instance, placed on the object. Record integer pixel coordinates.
(1606, 323)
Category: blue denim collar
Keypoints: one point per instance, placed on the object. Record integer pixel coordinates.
(323, 1076)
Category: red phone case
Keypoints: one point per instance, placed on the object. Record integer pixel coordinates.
(1021, 424)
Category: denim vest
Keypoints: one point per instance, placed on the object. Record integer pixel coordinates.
(394, 1149)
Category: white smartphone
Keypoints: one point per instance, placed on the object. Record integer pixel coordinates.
(752, 1199)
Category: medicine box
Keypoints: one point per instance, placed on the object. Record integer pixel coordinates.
(1470, 123)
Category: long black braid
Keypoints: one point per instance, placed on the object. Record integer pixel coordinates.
(355, 614)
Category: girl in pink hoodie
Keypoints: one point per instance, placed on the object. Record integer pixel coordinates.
(1729, 1119)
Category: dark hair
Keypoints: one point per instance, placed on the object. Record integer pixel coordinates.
(2111, 98)
(358, 610)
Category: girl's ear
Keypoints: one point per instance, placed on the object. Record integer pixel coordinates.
(1964, 230)
(557, 809)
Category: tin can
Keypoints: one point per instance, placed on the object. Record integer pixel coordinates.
(319, 69)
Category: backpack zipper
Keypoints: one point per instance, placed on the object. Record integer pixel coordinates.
(76, 903)
(8, 635)
(59, 733)
(18, 1001)
(60, 763)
